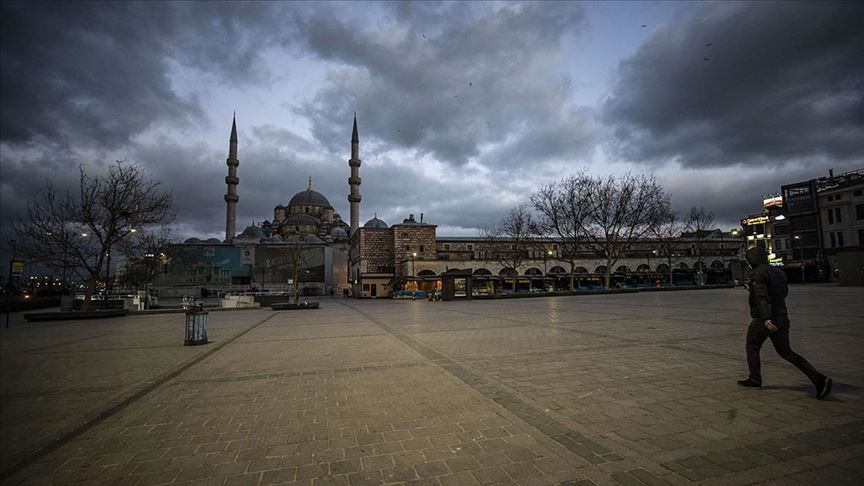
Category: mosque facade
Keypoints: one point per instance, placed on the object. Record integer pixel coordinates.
(308, 241)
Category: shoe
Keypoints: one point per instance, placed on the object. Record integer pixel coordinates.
(823, 388)
(749, 383)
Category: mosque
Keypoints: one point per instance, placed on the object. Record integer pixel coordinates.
(309, 241)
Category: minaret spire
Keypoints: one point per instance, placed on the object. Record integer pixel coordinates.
(232, 180)
(354, 181)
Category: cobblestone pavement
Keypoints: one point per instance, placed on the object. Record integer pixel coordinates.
(608, 389)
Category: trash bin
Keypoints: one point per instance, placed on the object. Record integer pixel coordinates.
(196, 325)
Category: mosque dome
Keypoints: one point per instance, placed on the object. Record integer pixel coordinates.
(338, 232)
(212, 241)
(252, 233)
(192, 241)
(310, 197)
(375, 223)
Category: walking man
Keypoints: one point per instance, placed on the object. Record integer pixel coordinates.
(768, 292)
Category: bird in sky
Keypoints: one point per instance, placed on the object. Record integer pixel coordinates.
(704, 58)
(644, 26)
(708, 44)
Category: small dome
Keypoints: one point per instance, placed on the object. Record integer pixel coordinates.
(375, 223)
(312, 240)
(279, 206)
(213, 241)
(301, 219)
(192, 241)
(338, 232)
(252, 233)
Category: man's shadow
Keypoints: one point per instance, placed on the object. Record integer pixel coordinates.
(806, 387)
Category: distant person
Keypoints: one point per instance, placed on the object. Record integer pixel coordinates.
(768, 291)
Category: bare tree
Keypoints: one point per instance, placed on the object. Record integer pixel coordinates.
(668, 235)
(298, 257)
(82, 230)
(563, 209)
(146, 255)
(699, 222)
(511, 239)
(621, 210)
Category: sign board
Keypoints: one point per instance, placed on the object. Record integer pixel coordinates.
(17, 268)
(772, 202)
(755, 220)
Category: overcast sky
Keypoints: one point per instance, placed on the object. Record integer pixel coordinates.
(463, 108)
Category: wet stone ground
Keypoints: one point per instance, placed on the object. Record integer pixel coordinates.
(609, 389)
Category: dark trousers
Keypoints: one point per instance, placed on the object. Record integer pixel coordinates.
(757, 333)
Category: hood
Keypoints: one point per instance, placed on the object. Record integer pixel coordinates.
(756, 256)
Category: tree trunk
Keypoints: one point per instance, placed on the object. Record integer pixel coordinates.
(88, 294)
(514, 282)
(296, 283)
(669, 259)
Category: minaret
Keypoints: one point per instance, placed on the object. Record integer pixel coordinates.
(231, 197)
(354, 180)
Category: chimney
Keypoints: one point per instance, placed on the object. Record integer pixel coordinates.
(421, 217)
(831, 173)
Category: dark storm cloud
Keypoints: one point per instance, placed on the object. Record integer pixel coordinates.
(782, 81)
(99, 73)
(444, 79)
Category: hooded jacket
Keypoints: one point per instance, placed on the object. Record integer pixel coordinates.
(768, 289)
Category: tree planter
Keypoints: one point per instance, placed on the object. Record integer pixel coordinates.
(67, 316)
(293, 306)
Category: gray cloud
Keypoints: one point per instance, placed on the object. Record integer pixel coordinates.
(99, 73)
(783, 81)
(444, 79)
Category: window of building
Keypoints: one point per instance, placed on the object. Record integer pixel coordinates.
(830, 216)
(837, 215)
(421, 248)
(859, 211)
(833, 240)
(470, 247)
(778, 244)
(861, 236)
(829, 198)
(366, 287)
(838, 197)
(513, 246)
(407, 247)
(839, 238)
(446, 246)
(856, 193)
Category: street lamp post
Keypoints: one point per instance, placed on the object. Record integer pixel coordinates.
(413, 256)
(795, 240)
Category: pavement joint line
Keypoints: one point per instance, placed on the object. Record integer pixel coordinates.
(25, 458)
(316, 338)
(550, 427)
(292, 374)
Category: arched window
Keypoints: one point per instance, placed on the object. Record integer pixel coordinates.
(557, 270)
(507, 272)
(644, 268)
(482, 271)
(683, 266)
(425, 273)
(601, 269)
(663, 268)
(623, 269)
(533, 271)
(717, 265)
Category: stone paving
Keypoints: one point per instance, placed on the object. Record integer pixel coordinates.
(610, 389)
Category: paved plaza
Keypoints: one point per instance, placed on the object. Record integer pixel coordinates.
(607, 389)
